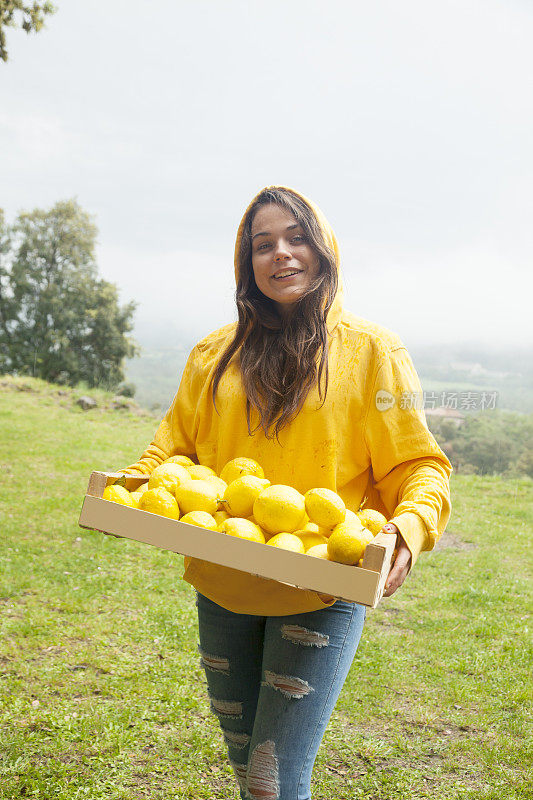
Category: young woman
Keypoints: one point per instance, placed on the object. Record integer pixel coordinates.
(320, 398)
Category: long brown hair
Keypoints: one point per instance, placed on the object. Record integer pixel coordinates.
(280, 359)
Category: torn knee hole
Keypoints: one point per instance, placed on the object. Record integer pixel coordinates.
(301, 635)
(214, 663)
(288, 685)
(227, 708)
(235, 738)
(263, 777)
(241, 771)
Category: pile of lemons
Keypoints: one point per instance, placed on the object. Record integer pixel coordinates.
(242, 502)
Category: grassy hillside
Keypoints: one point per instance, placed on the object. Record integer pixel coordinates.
(101, 692)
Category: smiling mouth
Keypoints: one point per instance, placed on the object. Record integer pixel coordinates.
(286, 274)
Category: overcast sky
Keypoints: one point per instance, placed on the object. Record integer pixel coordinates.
(410, 123)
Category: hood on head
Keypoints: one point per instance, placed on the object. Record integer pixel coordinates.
(335, 311)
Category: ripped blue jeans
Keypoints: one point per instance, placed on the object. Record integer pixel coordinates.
(273, 683)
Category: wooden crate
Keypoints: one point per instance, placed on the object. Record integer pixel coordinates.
(363, 585)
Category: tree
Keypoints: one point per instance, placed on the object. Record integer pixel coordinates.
(31, 15)
(493, 442)
(488, 443)
(58, 320)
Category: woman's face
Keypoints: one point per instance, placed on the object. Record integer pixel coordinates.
(283, 261)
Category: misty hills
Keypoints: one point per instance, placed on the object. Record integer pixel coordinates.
(457, 367)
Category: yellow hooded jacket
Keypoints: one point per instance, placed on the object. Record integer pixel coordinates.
(368, 439)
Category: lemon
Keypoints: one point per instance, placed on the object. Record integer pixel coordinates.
(287, 541)
(347, 543)
(279, 509)
(311, 526)
(351, 516)
(136, 496)
(143, 487)
(243, 529)
(201, 519)
(240, 466)
(199, 473)
(118, 494)
(197, 495)
(324, 507)
(265, 533)
(241, 494)
(168, 476)
(310, 538)
(372, 520)
(183, 461)
(219, 483)
(160, 501)
(318, 551)
(220, 517)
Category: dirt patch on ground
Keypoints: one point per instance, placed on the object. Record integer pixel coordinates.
(68, 397)
(428, 771)
(15, 385)
(391, 617)
(428, 757)
(438, 732)
(448, 730)
(454, 541)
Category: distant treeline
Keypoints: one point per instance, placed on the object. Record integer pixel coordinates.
(488, 443)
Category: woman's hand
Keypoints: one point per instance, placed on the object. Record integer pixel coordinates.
(400, 568)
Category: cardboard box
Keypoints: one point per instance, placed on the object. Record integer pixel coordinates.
(363, 585)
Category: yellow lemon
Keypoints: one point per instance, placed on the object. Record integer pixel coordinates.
(287, 541)
(241, 494)
(136, 496)
(324, 507)
(372, 520)
(183, 461)
(201, 519)
(265, 533)
(197, 495)
(240, 466)
(310, 538)
(243, 529)
(118, 494)
(220, 517)
(347, 543)
(199, 473)
(219, 483)
(168, 476)
(351, 516)
(160, 501)
(279, 509)
(311, 526)
(318, 551)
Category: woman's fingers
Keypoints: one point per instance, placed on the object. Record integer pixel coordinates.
(399, 569)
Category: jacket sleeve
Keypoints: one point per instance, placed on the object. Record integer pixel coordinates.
(411, 473)
(176, 434)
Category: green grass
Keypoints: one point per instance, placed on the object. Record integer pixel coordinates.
(101, 692)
